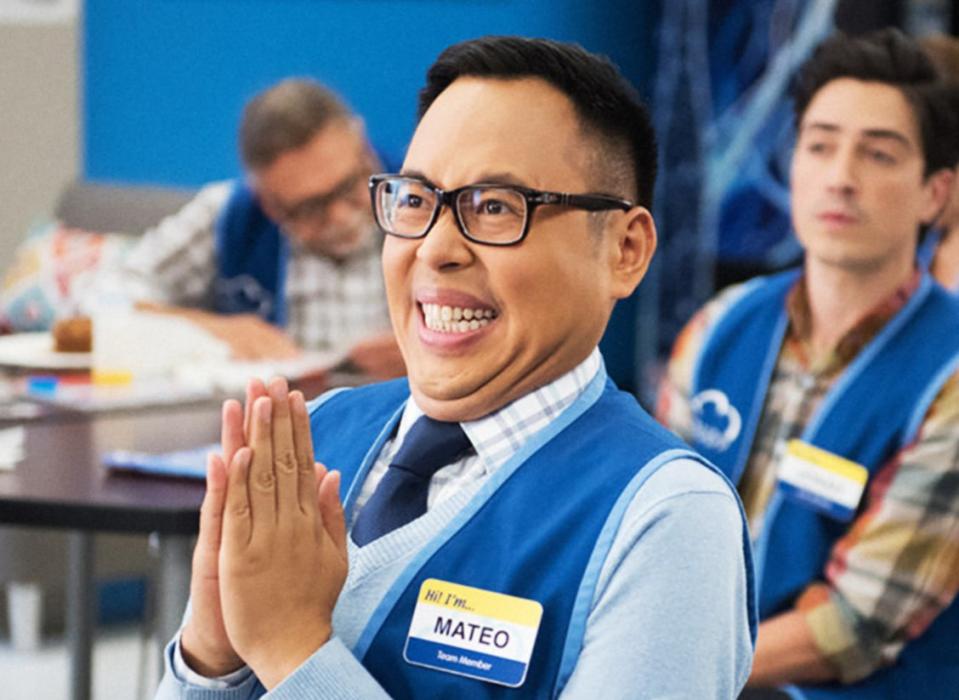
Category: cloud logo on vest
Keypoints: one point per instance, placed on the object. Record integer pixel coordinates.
(716, 422)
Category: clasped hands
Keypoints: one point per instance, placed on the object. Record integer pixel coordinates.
(270, 559)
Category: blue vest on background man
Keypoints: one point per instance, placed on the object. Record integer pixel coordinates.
(873, 410)
(251, 255)
(576, 479)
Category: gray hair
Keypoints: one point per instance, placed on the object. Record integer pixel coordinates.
(286, 117)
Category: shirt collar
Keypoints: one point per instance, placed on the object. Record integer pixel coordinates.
(498, 436)
(864, 330)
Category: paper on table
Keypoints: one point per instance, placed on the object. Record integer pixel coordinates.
(180, 463)
(91, 398)
(189, 383)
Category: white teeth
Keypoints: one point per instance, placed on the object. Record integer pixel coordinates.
(455, 319)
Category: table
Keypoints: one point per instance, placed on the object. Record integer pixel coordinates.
(61, 484)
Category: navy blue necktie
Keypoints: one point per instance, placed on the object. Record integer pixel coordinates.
(401, 495)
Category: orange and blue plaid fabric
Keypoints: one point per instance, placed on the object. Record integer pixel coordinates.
(897, 567)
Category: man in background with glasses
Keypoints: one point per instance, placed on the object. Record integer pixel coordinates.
(509, 518)
(286, 258)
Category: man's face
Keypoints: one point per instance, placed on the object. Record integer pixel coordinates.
(542, 304)
(858, 190)
(318, 192)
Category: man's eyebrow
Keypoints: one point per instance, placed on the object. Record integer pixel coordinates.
(819, 126)
(890, 134)
(407, 172)
(486, 178)
(418, 175)
(877, 133)
(501, 178)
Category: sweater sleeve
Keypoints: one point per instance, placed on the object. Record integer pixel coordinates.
(673, 591)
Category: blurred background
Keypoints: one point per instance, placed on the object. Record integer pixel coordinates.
(149, 92)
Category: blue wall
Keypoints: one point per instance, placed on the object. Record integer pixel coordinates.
(165, 80)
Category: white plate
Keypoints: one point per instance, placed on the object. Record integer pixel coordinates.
(35, 351)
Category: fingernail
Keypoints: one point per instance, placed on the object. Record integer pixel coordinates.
(278, 388)
(243, 456)
(264, 409)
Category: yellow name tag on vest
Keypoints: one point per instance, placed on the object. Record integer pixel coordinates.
(471, 632)
(823, 480)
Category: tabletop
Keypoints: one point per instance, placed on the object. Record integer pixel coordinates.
(61, 482)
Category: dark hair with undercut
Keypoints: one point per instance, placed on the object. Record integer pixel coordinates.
(888, 56)
(286, 117)
(609, 108)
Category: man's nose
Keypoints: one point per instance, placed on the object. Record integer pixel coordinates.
(843, 175)
(444, 247)
(343, 210)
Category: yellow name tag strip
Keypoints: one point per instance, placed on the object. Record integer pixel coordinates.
(472, 632)
(822, 480)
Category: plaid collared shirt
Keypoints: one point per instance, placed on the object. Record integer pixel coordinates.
(896, 567)
(495, 438)
(330, 305)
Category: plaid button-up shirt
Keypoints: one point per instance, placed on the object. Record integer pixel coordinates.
(330, 305)
(495, 438)
(897, 567)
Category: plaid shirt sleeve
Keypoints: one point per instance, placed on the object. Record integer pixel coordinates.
(174, 262)
(673, 396)
(897, 567)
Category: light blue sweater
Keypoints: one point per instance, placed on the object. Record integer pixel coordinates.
(658, 628)
(669, 614)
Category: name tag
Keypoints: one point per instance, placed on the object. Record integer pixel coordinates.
(823, 480)
(471, 632)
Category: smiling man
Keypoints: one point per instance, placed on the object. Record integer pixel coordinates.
(286, 258)
(513, 525)
(829, 395)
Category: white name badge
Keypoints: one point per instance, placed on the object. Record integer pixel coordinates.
(471, 632)
(823, 480)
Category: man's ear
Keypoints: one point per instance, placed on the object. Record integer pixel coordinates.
(938, 192)
(634, 234)
(372, 159)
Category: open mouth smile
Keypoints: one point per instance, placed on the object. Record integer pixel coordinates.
(455, 319)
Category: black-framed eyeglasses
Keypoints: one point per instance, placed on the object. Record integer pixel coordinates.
(316, 207)
(491, 214)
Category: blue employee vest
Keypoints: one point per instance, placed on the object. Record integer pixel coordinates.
(540, 532)
(890, 384)
(251, 256)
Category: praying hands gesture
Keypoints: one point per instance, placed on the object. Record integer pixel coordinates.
(270, 558)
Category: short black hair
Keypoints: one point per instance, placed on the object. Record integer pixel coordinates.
(286, 117)
(889, 56)
(608, 106)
